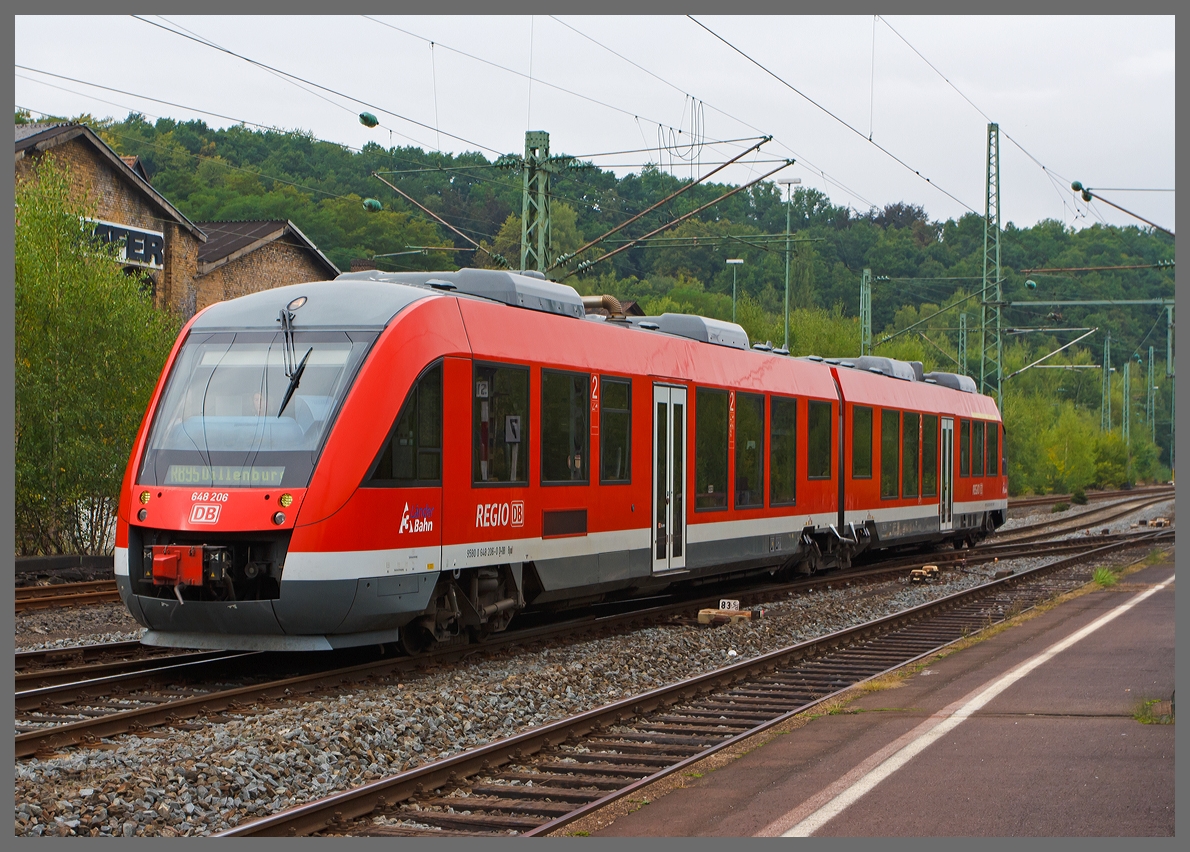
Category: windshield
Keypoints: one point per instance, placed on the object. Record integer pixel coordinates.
(217, 424)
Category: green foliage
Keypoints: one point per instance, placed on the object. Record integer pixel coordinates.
(89, 348)
(1104, 577)
(1054, 441)
(1078, 497)
(1060, 507)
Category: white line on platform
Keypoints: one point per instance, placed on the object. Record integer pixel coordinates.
(811, 815)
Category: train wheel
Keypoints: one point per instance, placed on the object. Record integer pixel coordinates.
(415, 639)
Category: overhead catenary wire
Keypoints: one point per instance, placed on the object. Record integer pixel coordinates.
(328, 89)
(841, 121)
(1048, 172)
(225, 164)
(267, 127)
(492, 64)
(582, 267)
(591, 243)
(802, 160)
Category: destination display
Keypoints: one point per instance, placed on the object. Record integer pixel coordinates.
(228, 476)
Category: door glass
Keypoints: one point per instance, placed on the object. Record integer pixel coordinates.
(679, 454)
(929, 455)
(661, 481)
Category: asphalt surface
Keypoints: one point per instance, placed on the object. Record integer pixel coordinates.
(1056, 753)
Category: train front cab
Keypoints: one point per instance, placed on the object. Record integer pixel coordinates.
(229, 561)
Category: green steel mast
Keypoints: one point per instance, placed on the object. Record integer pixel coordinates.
(865, 313)
(536, 242)
(990, 366)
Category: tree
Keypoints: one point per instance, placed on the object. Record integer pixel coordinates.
(89, 349)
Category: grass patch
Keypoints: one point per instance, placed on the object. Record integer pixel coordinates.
(1156, 557)
(1154, 712)
(1060, 507)
(1104, 577)
(892, 680)
(579, 834)
(693, 774)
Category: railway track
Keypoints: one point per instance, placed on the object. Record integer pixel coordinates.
(1092, 496)
(1083, 520)
(102, 698)
(539, 781)
(65, 594)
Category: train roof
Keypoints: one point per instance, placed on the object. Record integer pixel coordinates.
(372, 304)
(866, 388)
(518, 289)
(370, 300)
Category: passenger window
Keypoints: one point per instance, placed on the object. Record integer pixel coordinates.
(977, 449)
(500, 446)
(710, 449)
(929, 455)
(818, 455)
(413, 452)
(749, 450)
(890, 452)
(911, 451)
(964, 448)
(993, 449)
(615, 430)
(861, 442)
(565, 433)
(783, 452)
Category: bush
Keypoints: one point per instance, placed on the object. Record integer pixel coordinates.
(89, 348)
(1079, 497)
(1061, 507)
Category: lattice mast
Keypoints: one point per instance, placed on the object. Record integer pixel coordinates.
(865, 313)
(991, 298)
(1105, 406)
(536, 239)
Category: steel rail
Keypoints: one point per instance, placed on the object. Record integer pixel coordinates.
(79, 653)
(336, 810)
(1095, 517)
(65, 594)
(1046, 500)
(94, 673)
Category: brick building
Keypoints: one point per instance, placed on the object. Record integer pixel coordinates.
(188, 265)
(244, 257)
(162, 244)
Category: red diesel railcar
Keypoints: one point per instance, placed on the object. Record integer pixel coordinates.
(411, 457)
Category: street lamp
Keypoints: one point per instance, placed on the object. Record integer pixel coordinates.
(789, 184)
(733, 262)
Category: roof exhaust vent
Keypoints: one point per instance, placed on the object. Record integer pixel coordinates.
(606, 302)
(702, 329)
(954, 381)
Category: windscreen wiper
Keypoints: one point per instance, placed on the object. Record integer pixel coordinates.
(294, 381)
(286, 320)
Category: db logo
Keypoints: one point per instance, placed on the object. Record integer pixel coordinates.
(500, 514)
(203, 514)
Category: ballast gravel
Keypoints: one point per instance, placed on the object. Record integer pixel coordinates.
(226, 769)
(94, 624)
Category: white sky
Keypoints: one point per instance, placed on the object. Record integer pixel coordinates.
(1090, 97)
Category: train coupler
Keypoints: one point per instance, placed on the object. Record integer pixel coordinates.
(186, 565)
